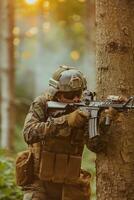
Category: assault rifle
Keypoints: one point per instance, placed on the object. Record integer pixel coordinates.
(94, 107)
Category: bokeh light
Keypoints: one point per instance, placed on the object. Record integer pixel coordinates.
(62, 0)
(32, 31)
(46, 4)
(16, 41)
(31, 1)
(75, 55)
(82, 1)
(16, 30)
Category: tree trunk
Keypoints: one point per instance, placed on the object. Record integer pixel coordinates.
(7, 74)
(115, 65)
(90, 24)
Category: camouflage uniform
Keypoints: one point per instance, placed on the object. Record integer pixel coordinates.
(59, 138)
(56, 145)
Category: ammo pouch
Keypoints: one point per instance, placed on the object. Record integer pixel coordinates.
(58, 167)
(24, 168)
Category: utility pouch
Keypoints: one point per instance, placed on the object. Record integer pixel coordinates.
(46, 171)
(60, 168)
(24, 168)
(74, 165)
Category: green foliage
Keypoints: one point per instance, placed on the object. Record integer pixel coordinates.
(72, 16)
(8, 188)
(88, 163)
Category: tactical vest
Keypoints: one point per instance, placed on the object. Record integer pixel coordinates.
(60, 156)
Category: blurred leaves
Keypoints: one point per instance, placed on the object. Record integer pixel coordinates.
(8, 188)
(70, 15)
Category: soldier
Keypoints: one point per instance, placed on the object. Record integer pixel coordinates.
(56, 141)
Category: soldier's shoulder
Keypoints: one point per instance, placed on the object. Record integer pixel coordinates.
(40, 99)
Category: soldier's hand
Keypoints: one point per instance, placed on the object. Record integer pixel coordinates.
(112, 113)
(117, 99)
(78, 118)
(97, 145)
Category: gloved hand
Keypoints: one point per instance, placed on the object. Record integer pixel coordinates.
(97, 145)
(78, 118)
(111, 114)
(117, 99)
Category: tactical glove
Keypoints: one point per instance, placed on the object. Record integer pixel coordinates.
(96, 144)
(78, 118)
(117, 99)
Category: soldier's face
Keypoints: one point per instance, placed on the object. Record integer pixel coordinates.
(70, 97)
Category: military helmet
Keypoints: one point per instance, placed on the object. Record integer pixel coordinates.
(68, 79)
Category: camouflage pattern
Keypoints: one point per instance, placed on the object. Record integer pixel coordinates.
(59, 138)
(67, 79)
(34, 126)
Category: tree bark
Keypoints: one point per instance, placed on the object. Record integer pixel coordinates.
(115, 70)
(7, 74)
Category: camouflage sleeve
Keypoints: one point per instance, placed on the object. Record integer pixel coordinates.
(36, 126)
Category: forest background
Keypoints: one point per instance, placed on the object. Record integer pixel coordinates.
(45, 34)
